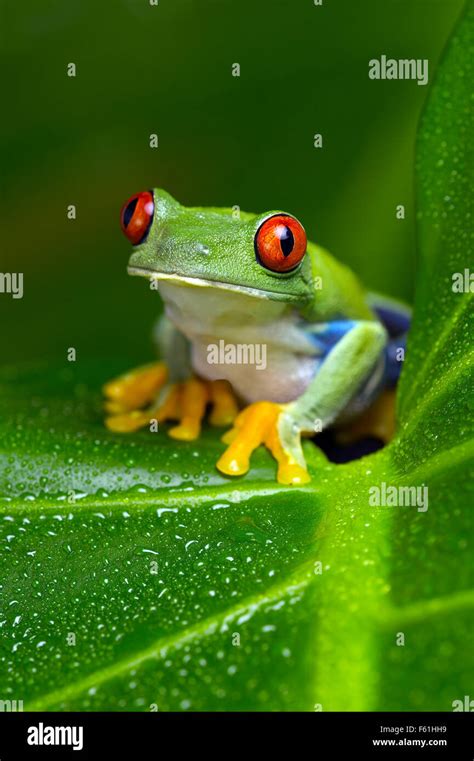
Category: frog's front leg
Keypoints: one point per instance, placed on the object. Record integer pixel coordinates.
(185, 402)
(257, 424)
(280, 426)
(134, 389)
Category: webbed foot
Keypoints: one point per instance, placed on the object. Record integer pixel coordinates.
(264, 423)
(185, 402)
(135, 388)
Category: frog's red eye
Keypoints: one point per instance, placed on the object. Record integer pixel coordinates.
(136, 216)
(280, 243)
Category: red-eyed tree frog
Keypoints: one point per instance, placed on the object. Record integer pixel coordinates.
(254, 315)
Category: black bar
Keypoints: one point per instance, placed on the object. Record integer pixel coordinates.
(151, 735)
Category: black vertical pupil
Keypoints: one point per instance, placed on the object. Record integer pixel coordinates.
(287, 240)
(128, 213)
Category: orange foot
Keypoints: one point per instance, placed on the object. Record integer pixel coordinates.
(185, 402)
(258, 424)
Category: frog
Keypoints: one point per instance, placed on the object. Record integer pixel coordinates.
(239, 287)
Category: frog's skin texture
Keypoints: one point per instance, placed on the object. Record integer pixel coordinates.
(327, 348)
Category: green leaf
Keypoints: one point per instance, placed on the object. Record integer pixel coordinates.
(135, 577)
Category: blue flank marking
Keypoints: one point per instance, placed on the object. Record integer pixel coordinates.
(396, 318)
(327, 335)
(396, 321)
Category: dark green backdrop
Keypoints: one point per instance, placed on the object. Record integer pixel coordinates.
(222, 141)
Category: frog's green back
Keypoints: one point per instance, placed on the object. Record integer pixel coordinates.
(338, 292)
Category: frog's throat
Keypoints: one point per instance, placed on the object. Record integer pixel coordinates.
(198, 282)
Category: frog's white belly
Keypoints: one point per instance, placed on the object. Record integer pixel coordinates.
(284, 378)
(257, 345)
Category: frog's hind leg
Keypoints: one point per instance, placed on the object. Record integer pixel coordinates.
(377, 421)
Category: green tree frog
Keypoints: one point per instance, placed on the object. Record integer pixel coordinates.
(237, 288)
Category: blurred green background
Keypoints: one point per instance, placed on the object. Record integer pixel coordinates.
(223, 140)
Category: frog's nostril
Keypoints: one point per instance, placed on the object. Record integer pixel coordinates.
(136, 217)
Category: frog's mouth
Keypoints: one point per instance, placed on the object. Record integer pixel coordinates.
(199, 282)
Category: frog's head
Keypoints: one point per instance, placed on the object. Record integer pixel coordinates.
(259, 254)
